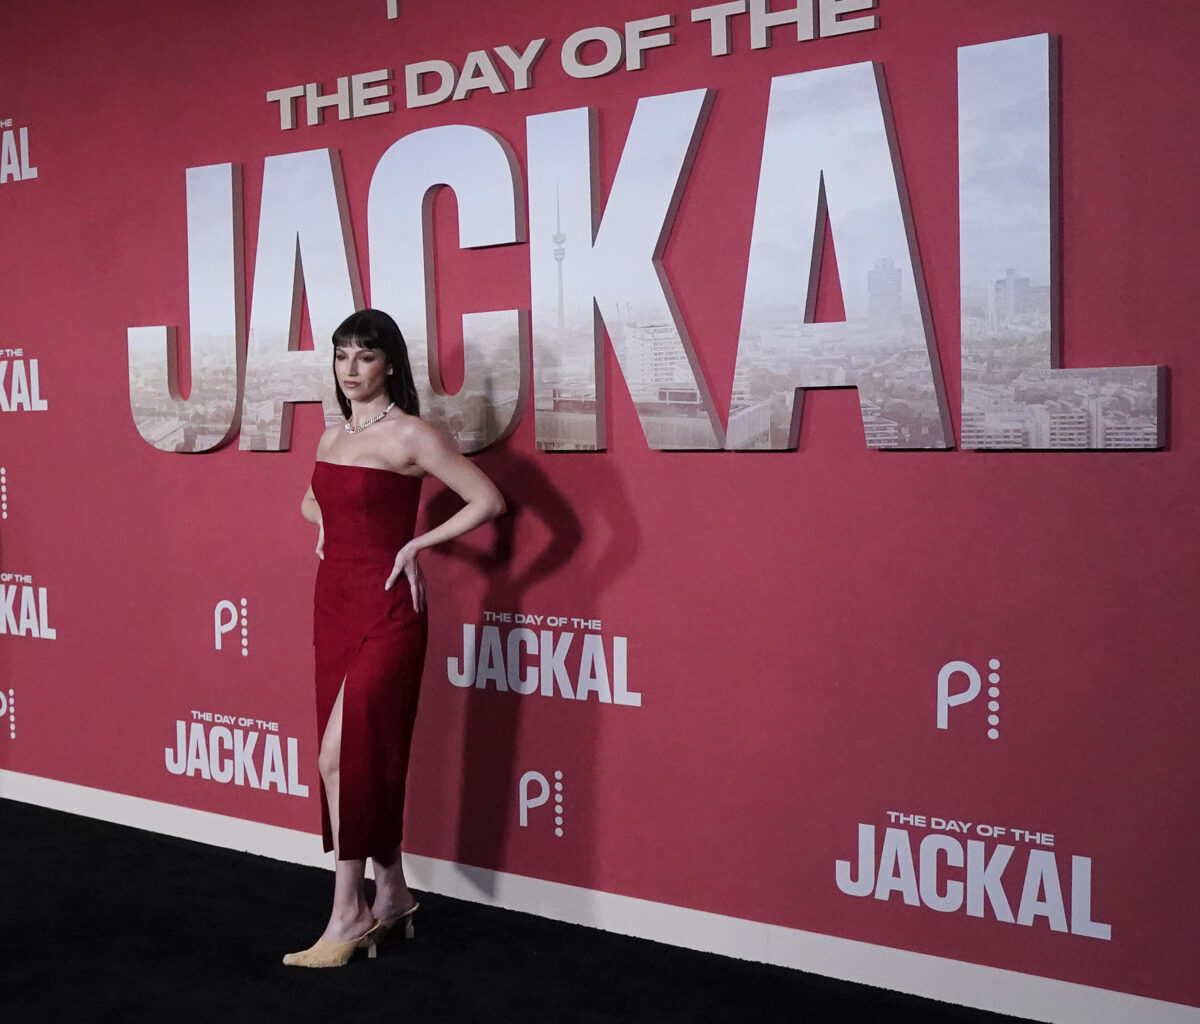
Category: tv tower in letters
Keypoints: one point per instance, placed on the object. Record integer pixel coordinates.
(560, 254)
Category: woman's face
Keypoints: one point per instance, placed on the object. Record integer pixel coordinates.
(361, 372)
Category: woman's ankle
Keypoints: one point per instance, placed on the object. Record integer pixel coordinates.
(392, 903)
(346, 923)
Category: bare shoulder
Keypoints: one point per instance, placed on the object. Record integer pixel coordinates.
(412, 442)
(420, 431)
(330, 435)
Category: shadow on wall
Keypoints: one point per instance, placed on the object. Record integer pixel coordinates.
(491, 736)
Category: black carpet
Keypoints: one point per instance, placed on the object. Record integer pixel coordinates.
(102, 923)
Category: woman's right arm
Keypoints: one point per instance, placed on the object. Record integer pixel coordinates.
(308, 504)
(312, 512)
(309, 507)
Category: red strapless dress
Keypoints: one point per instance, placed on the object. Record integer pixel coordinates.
(373, 640)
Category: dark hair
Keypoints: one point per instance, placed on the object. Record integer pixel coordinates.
(372, 328)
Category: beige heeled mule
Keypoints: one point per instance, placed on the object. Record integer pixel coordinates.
(326, 953)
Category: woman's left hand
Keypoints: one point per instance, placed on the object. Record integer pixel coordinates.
(406, 565)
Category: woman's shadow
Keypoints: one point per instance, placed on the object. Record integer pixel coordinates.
(487, 810)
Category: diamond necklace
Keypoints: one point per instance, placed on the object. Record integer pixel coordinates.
(350, 429)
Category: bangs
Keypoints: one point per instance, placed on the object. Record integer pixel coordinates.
(357, 339)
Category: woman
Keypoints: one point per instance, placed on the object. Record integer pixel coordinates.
(369, 630)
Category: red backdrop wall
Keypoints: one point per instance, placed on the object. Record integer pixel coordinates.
(786, 614)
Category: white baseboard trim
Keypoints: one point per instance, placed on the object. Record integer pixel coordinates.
(951, 981)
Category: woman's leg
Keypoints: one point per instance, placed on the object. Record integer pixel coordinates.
(392, 895)
(350, 916)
